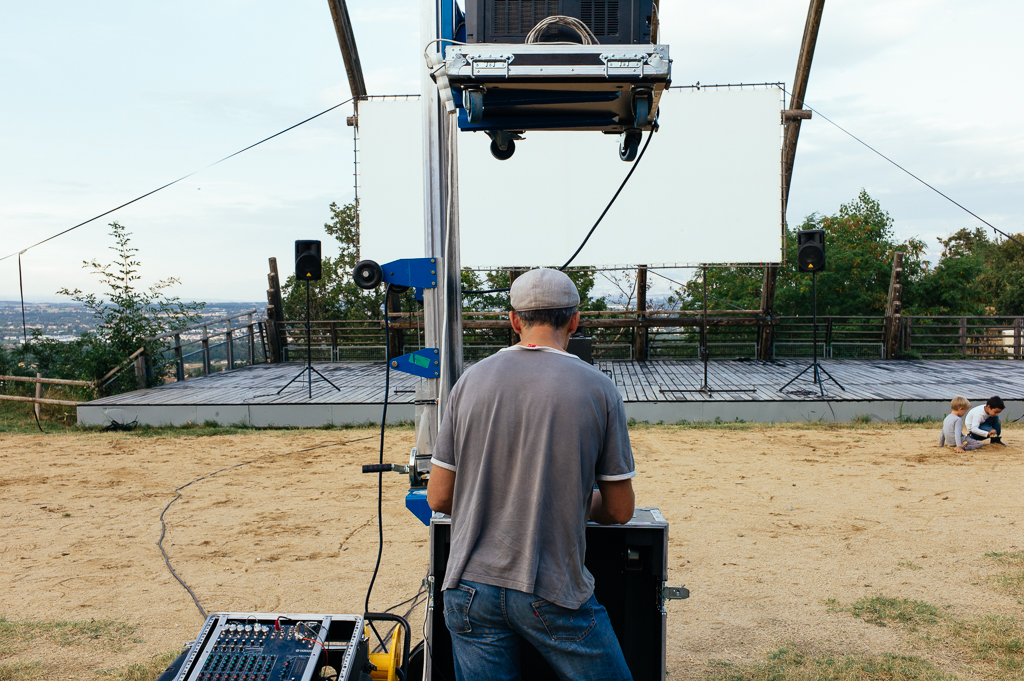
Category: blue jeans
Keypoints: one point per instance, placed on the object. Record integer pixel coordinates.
(988, 425)
(487, 624)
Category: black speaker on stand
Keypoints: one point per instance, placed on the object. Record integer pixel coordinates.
(810, 257)
(308, 267)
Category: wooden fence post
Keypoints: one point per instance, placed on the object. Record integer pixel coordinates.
(909, 342)
(1018, 327)
(766, 330)
(179, 358)
(963, 335)
(252, 342)
(513, 274)
(275, 314)
(893, 309)
(206, 351)
(640, 331)
(140, 371)
(230, 346)
(39, 396)
(395, 339)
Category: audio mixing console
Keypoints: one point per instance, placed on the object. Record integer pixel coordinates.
(272, 647)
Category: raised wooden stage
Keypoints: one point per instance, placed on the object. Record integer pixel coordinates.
(652, 391)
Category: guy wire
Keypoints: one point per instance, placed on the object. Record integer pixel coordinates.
(945, 196)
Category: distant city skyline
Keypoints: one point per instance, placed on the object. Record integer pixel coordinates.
(112, 99)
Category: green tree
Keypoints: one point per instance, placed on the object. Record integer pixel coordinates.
(498, 279)
(335, 296)
(859, 244)
(955, 285)
(1003, 278)
(126, 315)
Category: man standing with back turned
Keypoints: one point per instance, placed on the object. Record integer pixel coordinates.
(525, 434)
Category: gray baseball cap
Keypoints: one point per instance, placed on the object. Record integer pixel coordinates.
(543, 289)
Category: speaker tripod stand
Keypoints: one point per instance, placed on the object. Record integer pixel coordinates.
(704, 388)
(817, 369)
(309, 369)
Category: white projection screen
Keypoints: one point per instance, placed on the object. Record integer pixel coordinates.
(708, 190)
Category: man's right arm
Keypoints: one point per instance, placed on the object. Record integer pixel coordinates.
(613, 502)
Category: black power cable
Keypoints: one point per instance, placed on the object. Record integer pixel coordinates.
(177, 492)
(618, 191)
(380, 460)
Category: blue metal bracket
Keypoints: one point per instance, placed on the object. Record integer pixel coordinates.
(418, 294)
(416, 502)
(411, 272)
(425, 363)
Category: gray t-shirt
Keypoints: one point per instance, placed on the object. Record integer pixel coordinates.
(527, 432)
(952, 431)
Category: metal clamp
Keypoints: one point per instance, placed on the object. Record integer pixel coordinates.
(424, 363)
(490, 65)
(624, 64)
(674, 593)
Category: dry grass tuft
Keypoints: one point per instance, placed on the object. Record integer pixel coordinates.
(788, 664)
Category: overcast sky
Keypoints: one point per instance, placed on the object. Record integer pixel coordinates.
(104, 101)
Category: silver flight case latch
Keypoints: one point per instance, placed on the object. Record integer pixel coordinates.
(491, 65)
(624, 64)
(674, 593)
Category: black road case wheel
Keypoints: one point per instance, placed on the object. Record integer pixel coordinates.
(629, 143)
(503, 154)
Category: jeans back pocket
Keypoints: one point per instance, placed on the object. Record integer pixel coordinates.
(456, 608)
(563, 624)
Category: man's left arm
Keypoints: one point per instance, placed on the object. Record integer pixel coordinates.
(441, 489)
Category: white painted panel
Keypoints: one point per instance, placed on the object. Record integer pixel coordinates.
(390, 179)
(707, 191)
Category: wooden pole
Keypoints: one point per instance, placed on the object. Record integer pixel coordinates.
(791, 136)
(275, 314)
(347, 43)
(894, 309)
(640, 331)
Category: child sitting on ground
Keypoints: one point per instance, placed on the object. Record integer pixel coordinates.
(953, 427)
(983, 422)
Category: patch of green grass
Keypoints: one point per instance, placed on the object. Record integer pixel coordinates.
(997, 642)
(1013, 579)
(910, 565)
(22, 671)
(106, 633)
(143, 671)
(882, 611)
(788, 664)
(993, 639)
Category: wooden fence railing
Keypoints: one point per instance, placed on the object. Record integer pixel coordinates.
(203, 349)
(676, 335)
(39, 381)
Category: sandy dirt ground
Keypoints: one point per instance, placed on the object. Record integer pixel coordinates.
(766, 524)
